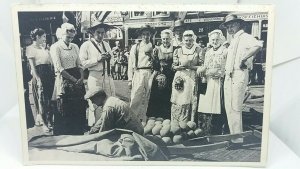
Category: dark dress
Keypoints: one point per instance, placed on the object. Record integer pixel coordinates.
(159, 103)
(70, 118)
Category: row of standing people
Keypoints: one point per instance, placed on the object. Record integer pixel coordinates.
(164, 81)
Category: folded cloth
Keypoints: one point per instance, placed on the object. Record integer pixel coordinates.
(112, 143)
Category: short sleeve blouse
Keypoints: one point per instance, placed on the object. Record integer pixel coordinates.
(66, 56)
(39, 55)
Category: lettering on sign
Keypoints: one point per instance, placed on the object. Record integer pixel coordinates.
(44, 19)
(260, 16)
(254, 16)
(113, 19)
(152, 24)
(212, 19)
(187, 21)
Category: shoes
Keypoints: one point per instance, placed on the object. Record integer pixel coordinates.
(234, 146)
(50, 126)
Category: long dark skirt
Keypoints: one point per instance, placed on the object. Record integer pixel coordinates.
(70, 118)
(214, 124)
(159, 102)
(46, 74)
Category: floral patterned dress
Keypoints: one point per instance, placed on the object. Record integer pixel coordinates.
(214, 61)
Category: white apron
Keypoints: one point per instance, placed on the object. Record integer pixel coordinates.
(211, 101)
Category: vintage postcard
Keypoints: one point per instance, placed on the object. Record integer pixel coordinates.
(144, 84)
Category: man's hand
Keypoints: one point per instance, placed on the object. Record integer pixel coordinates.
(79, 82)
(243, 65)
(105, 56)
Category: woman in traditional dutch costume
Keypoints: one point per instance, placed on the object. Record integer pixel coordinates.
(184, 87)
(212, 116)
(159, 104)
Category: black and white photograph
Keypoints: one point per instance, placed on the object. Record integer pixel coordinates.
(136, 83)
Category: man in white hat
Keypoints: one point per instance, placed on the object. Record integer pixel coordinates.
(95, 55)
(242, 47)
(140, 73)
(114, 114)
(178, 30)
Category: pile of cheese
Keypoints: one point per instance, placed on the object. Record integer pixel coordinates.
(171, 132)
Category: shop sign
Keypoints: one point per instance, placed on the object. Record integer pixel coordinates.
(260, 16)
(212, 19)
(113, 19)
(152, 24)
(44, 19)
(246, 17)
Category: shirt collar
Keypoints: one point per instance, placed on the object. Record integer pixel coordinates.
(64, 46)
(238, 33)
(143, 43)
(99, 43)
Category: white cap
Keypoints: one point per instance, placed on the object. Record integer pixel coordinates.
(67, 27)
(188, 32)
(58, 33)
(218, 31)
(167, 31)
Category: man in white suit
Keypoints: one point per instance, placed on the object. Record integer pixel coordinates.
(242, 47)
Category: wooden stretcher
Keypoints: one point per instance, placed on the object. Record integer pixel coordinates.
(208, 143)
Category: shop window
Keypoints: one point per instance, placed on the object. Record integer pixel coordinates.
(264, 26)
(157, 14)
(255, 29)
(138, 14)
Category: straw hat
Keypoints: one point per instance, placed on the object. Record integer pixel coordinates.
(230, 19)
(98, 24)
